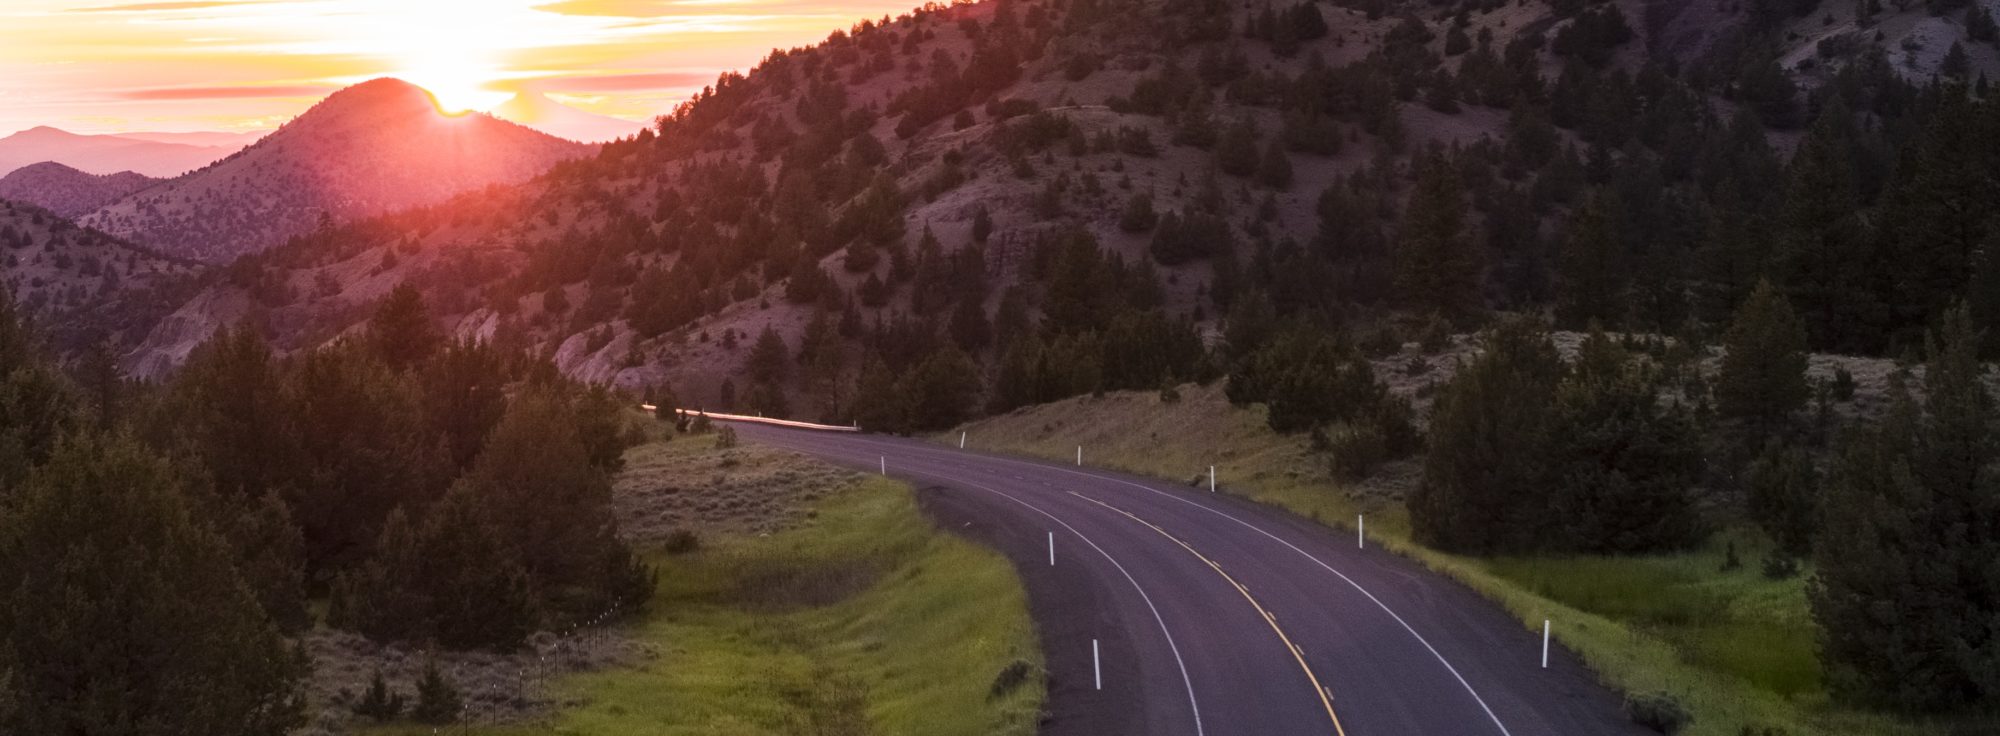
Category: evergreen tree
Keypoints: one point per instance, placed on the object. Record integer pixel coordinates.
(768, 358)
(1275, 169)
(379, 704)
(1138, 215)
(1236, 153)
(401, 331)
(1486, 477)
(1826, 254)
(551, 504)
(1762, 381)
(941, 391)
(1623, 466)
(878, 404)
(119, 613)
(1784, 498)
(1593, 283)
(36, 405)
(1437, 267)
(1906, 598)
(1979, 25)
(438, 701)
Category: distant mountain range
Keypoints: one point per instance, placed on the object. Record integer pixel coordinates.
(67, 191)
(151, 154)
(537, 111)
(375, 147)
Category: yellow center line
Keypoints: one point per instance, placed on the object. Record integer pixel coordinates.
(1325, 698)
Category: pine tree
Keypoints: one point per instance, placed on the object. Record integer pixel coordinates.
(36, 405)
(118, 609)
(1762, 381)
(1906, 598)
(1138, 215)
(1784, 498)
(477, 589)
(1979, 25)
(1275, 169)
(1486, 480)
(1437, 268)
(1591, 272)
(941, 391)
(1956, 65)
(768, 358)
(551, 504)
(379, 704)
(1825, 252)
(878, 404)
(438, 701)
(1236, 153)
(1623, 465)
(401, 330)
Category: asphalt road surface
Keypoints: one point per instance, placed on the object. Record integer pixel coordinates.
(1215, 616)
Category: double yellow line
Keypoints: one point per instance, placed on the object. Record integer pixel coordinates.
(1318, 689)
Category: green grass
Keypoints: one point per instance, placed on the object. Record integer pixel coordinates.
(866, 620)
(1736, 648)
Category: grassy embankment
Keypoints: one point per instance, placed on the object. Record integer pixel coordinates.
(1734, 647)
(863, 619)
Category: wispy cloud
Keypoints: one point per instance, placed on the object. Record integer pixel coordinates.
(161, 7)
(226, 93)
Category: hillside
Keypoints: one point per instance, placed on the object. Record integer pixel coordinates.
(84, 285)
(67, 191)
(376, 147)
(106, 154)
(1162, 160)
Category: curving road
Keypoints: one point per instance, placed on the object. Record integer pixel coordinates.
(1215, 616)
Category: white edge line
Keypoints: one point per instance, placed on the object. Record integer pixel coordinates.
(1186, 681)
(1329, 568)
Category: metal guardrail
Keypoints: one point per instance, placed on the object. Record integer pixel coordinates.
(713, 416)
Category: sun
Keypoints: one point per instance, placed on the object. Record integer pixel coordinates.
(454, 48)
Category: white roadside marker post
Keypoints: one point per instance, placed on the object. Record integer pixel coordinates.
(1052, 549)
(1079, 455)
(1211, 479)
(1096, 664)
(1360, 531)
(885, 464)
(961, 440)
(1545, 643)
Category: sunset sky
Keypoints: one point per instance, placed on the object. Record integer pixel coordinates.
(102, 66)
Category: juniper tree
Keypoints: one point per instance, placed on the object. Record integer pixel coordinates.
(401, 331)
(120, 612)
(1762, 380)
(1906, 598)
(1486, 475)
(1437, 267)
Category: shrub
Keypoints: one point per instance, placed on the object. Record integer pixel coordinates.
(1011, 677)
(725, 437)
(437, 698)
(681, 541)
(379, 703)
(1659, 712)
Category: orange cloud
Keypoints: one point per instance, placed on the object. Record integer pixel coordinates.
(226, 93)
(158, 7)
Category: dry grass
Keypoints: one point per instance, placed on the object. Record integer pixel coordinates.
(820, 603)
(682, 485)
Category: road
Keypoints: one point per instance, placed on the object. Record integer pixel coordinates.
(1215, 616)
